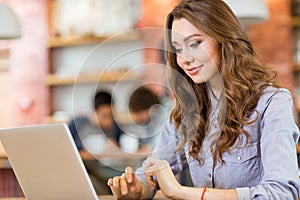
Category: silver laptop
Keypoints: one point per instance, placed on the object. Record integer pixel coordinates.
(46, 162)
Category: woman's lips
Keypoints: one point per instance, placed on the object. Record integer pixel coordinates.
(193, 70)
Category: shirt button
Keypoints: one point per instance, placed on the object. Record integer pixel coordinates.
(239, 158)
(209, 175)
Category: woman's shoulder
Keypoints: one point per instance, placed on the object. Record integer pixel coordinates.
(273, 94)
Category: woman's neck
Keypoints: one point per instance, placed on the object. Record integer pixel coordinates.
(216, 85)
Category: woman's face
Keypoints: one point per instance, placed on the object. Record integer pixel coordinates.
(197, 53)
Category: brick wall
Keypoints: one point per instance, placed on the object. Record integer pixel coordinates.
(28, 96)
(29, 63)
(273, 40)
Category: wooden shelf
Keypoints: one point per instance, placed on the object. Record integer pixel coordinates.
(105, 77)
(55, 42)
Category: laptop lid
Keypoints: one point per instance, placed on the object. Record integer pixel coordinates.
(46, 162)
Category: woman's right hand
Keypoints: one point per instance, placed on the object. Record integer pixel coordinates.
(127, 186)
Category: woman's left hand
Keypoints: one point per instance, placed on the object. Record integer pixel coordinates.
(165, 177)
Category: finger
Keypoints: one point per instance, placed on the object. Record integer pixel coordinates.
(129, 174)
(149, 178)
(116, 181)
(151, 181)
(129, 170)
(152, 184)
(115, 193)
(114, 186)
(123, 185)
(110, 182)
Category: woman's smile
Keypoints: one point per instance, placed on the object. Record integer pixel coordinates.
(193, 70)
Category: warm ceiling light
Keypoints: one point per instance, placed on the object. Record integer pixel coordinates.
(249, 11)
(9, 24)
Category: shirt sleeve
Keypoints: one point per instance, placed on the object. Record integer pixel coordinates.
(243, 193)
(165, 150)
(279, 134)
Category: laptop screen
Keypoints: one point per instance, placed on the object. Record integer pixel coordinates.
(46, 162)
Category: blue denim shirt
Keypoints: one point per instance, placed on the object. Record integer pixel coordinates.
(266, 168)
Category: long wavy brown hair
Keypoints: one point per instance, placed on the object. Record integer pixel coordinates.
(244, 79)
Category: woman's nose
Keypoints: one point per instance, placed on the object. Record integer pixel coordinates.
(187, 58)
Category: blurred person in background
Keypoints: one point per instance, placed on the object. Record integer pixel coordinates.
(97, 133)
(147, 115)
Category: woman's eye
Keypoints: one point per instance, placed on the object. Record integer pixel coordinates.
(178, 50)
(195, 44)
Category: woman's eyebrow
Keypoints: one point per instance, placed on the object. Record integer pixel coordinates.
(191, 36)
(174, 43)
(187, 38)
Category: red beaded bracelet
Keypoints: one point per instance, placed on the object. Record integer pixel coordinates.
(203, 192)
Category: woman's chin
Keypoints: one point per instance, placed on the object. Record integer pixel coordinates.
(198, 80)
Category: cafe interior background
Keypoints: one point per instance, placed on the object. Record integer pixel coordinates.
(51, 62)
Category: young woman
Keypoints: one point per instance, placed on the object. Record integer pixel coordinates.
(231, 124)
